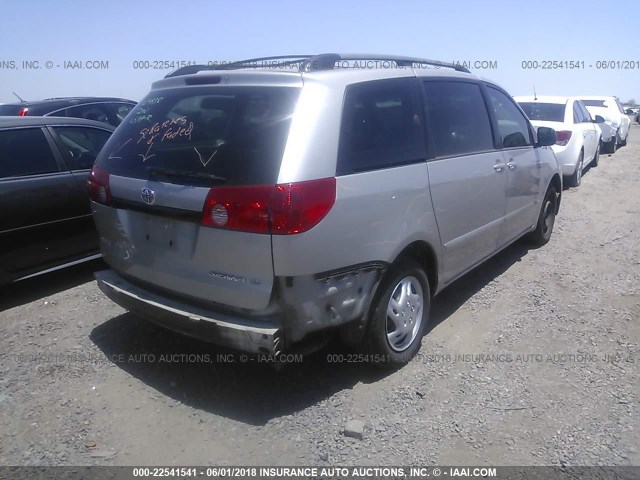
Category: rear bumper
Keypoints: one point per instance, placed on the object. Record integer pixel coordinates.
(567, 157)
(246, 334)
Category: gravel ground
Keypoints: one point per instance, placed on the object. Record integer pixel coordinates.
(532, 360)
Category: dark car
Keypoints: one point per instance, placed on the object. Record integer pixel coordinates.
(102, 109)
(45, 218)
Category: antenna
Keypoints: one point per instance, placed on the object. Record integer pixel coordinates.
(21, 100)
(535, 96)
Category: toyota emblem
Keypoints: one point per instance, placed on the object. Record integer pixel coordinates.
(148, 196)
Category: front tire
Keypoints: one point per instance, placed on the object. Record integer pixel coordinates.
(399, 315)
(546, 219)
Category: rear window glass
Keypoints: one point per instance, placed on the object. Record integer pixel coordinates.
(202, 135)
(10, 110)
(547, 112)
(594, 103)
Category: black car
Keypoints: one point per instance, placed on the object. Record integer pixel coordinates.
(102, 109)
(45, 219)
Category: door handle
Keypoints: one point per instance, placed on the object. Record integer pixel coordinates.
(498, 167)
(511, 165)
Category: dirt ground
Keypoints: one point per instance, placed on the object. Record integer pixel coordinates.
(533, 359)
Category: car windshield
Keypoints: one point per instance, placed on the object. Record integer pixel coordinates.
(202, 133)
(548, 112)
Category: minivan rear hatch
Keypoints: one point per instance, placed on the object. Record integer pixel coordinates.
(185, 182)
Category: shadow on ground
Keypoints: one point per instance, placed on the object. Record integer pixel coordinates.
(457, 294)
(35, 288)
(253, 392)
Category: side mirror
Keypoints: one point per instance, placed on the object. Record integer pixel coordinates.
(546, 137)
(628, 111)
(599, 119)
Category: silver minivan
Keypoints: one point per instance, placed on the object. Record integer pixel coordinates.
(269, 203)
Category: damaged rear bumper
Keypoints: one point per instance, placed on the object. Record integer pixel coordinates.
(246, 334)
(302, 306)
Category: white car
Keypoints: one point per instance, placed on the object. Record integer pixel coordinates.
(611, 110)
(578, 136)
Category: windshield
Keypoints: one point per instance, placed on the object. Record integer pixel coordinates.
(204, 133)
(548, 112)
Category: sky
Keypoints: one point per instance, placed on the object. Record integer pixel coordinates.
(509, 42)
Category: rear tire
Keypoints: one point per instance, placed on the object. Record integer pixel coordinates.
(399, 315)
(596, 157)
(623, 143)
(576, 179)
(546, 219)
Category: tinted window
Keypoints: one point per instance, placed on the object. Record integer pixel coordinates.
(381, 126)
(593, 103)
(458, 118)
(585, 112)
(25, 152)
(119, 111)
(236, 133)
(96, 112)
(578, 116)
(547, 112)
(59, 113)
(513, 126)
(80, 145)
(10, 109)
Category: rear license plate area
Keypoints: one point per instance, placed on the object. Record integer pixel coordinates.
(159, 232)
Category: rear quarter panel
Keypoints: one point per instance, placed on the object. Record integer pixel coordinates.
(375, 216)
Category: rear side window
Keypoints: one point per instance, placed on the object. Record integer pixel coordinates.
(204, 135)
(25, 152)
(545, 112)
(96, 112)
(578, 116)
(458, 118)
(58, 113)
(118, 112)
(513, 126)
(585, 112)
(594, 103)
(381, 126)
(80, 145)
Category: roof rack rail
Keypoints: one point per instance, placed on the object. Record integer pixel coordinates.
(327, 61)
(310, 63)
(287, 60)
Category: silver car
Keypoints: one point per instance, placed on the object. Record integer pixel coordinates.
(265, 208)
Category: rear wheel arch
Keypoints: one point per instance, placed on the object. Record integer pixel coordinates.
(425, 255)
(421, 252)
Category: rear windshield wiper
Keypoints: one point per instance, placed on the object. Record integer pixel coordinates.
(174, 172)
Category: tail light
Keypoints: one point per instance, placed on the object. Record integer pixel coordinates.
(23, 111)
(98, 184)
(563, 137)
(238, 208)
(283, 209)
